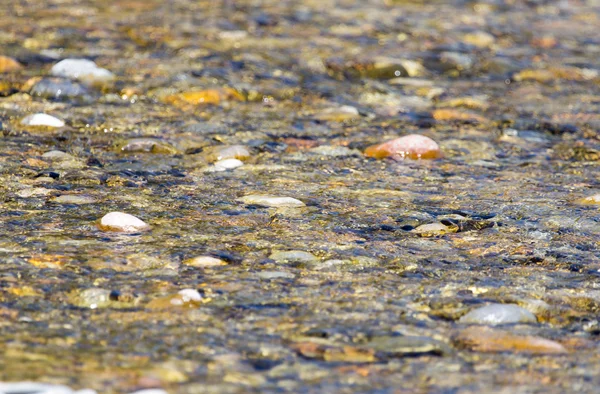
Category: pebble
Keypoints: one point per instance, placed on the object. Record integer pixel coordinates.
(340, 114)
(334, 151)
(81, 69)
(590, 200)
(8, 64)
(150, 391)
(57, 155)
(149, 145)
(34, 192)
(93, 298)
(433, 229)
(186, 298)
(496, 314)
(42, 120)
(293, 256)
(73, 199)
(38, 388)
(122, 222)
(275, 275)
(215, 154)
(270, 201)
(204, 261)
(489, 340)
(413, 146)
(408, 345)
(60, 89)
(224, 165)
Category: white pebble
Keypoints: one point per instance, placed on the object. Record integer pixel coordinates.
(124, 222)
(271, 201)
(495, 314)
(38, 388)
(81, 69)
(42, 120)
(190, 295)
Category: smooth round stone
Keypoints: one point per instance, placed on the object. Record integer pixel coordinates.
(186, 298)
(73, 199)
(94, 298)
(122, 222)
(413, 146)
(42, 120)
(150, 391)
(225, 165)
(293, 256)
(270, 201)
(82, 69)
(496, 314)
(204, 261)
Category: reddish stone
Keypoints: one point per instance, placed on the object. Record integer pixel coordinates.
(413, 146)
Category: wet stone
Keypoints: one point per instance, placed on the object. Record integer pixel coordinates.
(496, 314)
(294, 256)
(408, 345)
(148, 145)
(39, 388)
(204, 261)
(184, 299)
(8, 64)
(268, 275)
(81, 69)
(73, 199)
(270, 201)
(591, 200)
(412, 146)
(60, 89)
(42, 120)
(122, 222)
(215, 154)
(485, 339)
(225, 165)
(434, 229)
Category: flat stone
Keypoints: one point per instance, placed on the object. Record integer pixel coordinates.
(122, 222)
(219, 153)
(334, 151)
(275, 275)
(148, 145)
(82, 69)
(293, 256)
(42, 120)
(408, 345)
(489, 340)
(433, 229)
(186, 298)
(413, 146)
(270, 201)
(496, 314)
(57, 155)
(73, 199)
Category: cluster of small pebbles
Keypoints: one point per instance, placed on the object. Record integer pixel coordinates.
(279, 196)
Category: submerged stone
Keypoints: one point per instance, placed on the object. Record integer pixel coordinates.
(270, 201)
(590, 200)
(81, 69)
(73, 199)
(486, 339)
(204, 261)
(293, 256)
(60, 89)
(39, 388)
(8, 64)
(433, 229)
(224, 152)
(224, 165)
(122, 222)
(413, 146)
(149, 145)
(186, 298)
(496, 314)
(42, 120)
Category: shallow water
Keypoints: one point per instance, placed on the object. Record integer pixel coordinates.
(509, 90)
